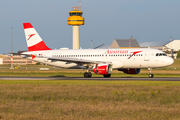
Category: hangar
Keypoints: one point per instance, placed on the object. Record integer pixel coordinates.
(121, 44)
(124, 43)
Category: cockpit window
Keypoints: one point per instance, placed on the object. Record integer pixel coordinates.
(161, 54)
(164, 54)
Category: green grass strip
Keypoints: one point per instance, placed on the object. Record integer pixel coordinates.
(90, 82)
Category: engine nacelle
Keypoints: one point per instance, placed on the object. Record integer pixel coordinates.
(103, 69)
(130, 71)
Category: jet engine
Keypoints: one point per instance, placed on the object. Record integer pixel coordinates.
(130, 71)
(103, 69)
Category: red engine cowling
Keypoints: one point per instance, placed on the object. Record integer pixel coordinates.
(131, 71)
(103, 69)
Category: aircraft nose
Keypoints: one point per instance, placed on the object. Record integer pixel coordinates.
(169, 61)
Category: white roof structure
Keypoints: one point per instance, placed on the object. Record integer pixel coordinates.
(163, 45)
(157, 43)
(175, 45)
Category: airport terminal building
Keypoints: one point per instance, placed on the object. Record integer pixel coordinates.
(6, 59)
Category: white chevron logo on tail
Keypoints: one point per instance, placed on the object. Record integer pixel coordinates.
(30, 36)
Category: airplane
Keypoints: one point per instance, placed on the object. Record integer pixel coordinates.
(99, 61)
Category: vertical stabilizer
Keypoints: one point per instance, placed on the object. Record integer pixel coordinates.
(34, 41)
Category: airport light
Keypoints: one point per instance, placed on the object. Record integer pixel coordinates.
(11, 50)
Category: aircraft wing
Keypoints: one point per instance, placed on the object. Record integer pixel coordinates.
(76, 60)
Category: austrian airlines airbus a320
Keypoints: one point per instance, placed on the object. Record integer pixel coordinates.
(99, 61)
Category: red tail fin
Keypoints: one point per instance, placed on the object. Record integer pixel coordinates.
(34, 41)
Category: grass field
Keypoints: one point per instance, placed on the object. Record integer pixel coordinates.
(91, 100)
(68, 99)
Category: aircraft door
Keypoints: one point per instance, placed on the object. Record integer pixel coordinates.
(46, 54)
(146, 55)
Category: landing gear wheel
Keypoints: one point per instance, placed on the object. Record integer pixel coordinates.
(90, 75)
(87, 74)
(151, 75)
(107, 76)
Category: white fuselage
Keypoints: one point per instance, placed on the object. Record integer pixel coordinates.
(119, 58)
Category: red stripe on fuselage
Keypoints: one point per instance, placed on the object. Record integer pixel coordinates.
(39, 46)
(27, 25)
(134, 53)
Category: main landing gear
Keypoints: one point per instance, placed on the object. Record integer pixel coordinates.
(87, 75)
(107, 76)
(150, 73)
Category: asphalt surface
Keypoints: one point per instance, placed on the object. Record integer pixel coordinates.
(93, 78)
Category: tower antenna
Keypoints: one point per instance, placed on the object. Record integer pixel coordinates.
(80, 5)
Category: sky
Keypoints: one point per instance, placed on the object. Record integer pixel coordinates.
(105, 20)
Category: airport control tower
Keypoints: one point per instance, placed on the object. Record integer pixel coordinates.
(75, 20)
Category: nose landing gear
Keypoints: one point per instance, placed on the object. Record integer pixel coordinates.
(150, 73)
